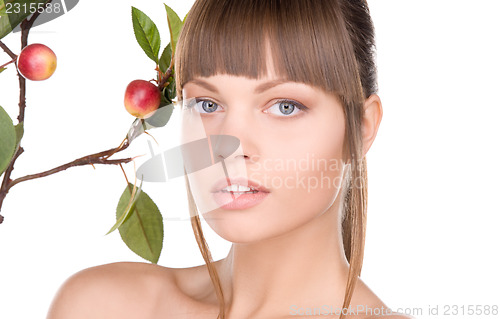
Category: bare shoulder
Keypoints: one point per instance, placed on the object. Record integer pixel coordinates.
(123, 290)
(119, 289)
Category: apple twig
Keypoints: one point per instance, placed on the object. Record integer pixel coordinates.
(6, 179)
(164, 78)
(25, 29)
(97, 158)
(8, 51)
(5, 64)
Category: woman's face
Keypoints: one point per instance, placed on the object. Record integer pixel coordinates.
(291, 136)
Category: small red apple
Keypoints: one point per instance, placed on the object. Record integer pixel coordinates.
(36, 62)
(142, 98)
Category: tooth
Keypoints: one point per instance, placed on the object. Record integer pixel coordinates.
(243, 188)
(237, 188)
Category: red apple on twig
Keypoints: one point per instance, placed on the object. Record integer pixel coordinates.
(37, 62)
(142, 98)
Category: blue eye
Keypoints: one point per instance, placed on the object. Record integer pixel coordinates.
(287, 107)
(203, 106)
(208, 106)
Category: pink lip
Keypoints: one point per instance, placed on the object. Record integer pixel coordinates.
(224, 182)
(234, 201)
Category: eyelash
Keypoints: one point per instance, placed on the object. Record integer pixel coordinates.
(296, 104)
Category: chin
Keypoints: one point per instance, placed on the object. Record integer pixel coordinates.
(240, 227)
(256, 224)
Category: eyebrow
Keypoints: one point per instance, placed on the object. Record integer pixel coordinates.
(205, 84)
(267, 85)
(261, 88)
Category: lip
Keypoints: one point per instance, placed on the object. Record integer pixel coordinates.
(224, 182)
(230, 201)
(241, 201)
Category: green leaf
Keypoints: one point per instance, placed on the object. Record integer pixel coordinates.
(127, 211)
(2, 69)
(19, 128)
(184, 20)
(164, 97)
(159, 119)
(146, 33)
(171, 90)
(7, 140)
(5, 26)
(142, 231)
(12, 13)
(165, 58)
(174, 25)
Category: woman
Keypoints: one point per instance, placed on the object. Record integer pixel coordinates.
(295, 82)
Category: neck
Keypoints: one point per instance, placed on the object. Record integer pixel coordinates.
(303, 268)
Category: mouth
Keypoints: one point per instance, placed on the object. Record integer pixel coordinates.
(238, 186)
(238, 193)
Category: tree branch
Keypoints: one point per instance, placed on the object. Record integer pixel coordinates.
(164, 78)
(8, 51)
(7, 63)
(97, 158)
(86, 160)
(7, 180)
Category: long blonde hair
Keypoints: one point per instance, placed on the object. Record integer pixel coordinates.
(327, 44)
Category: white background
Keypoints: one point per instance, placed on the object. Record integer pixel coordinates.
(433, 220)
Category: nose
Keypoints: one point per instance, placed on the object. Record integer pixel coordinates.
(236, 126)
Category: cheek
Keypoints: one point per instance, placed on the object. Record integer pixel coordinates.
(305, 172)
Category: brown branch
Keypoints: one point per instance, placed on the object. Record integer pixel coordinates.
(25, 29)
(22, 81)
(5, 64)
(78, 162)
(165, 76)
(22, 97)
(7, 180)
(7, 50)
(97, 158)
